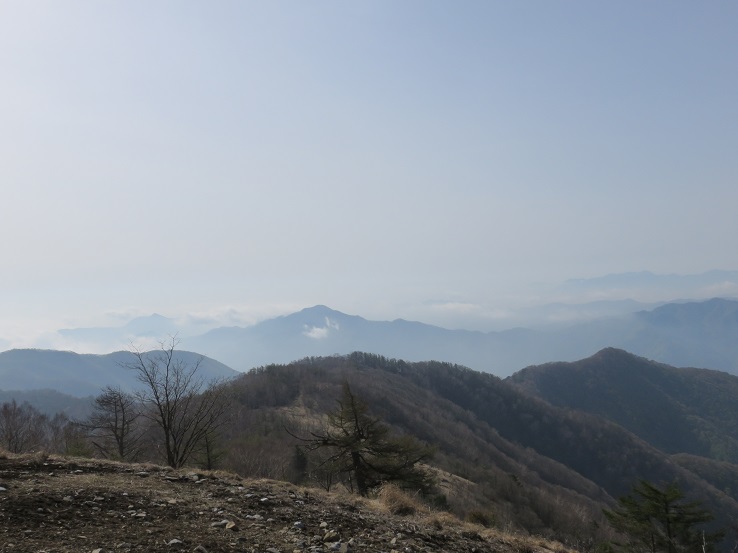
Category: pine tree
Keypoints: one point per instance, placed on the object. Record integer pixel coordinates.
(662, 520)
(362, 448)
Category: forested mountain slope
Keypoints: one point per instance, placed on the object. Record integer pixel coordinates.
(677, 410)
(545, 468)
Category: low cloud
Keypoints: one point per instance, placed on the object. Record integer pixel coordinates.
(321, 332)
(456, 307)
(727, 288)
(316, 332)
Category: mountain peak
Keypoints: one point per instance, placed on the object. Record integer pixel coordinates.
(614, 359)
(320, 313)
(320, 309)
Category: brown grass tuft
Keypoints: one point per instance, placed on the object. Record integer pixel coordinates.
(399, 502)
(484, 517)
(442, 520)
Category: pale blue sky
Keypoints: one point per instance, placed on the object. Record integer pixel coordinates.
(248, 158)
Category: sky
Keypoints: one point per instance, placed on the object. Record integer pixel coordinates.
(234, 160)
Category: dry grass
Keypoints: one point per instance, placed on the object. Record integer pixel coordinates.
(441, 520)
(483, 517)
(398, 502)
(390, 498)
(523, 543)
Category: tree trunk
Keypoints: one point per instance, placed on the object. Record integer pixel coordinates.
(359, 472)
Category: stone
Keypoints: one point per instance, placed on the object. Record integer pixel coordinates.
(175, 542)
(330, 536)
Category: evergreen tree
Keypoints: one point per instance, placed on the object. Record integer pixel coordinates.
(362, 448)
(662, 520)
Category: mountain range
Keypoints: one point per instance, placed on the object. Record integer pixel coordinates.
(691, 333)
(83, 375)
(700, 334)
(541, 464)
(542, 451)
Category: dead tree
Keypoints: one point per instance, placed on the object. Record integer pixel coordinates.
(176, 398)
(114, 426)
(22, 428)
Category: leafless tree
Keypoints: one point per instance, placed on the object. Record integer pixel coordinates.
(67, 437)
(176, 398)
(22, 428)
(114, 427)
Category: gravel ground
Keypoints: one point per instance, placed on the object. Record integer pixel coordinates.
(57, 505)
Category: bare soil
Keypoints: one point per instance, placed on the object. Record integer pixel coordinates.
(56, 505)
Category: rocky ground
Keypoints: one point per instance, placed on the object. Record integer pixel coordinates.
(57, 505)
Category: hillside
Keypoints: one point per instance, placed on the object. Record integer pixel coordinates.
(538, 467)
(50, 402)
(51, 504)
(82, 375)
(503, 455)
(677, 410)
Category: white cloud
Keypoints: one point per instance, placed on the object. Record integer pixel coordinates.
(329, 323)
(320, 332)
(726, 288)
(316, 332)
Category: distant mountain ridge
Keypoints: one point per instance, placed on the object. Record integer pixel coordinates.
(678, 410)
(153, 327)
(83, 375)
(698, 334)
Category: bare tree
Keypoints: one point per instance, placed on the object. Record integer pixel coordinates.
(178, 401)
(22, 428)
(113, 426)
(67, 437)
(209, 454)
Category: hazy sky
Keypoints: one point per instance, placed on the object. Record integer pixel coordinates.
(241, 158)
